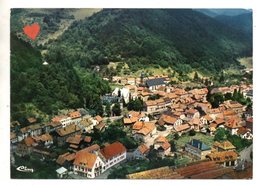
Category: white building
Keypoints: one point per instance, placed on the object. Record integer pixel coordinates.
(113, 153)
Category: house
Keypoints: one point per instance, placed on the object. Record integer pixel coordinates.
(100, 127)
(245, 133)
(206, 120)
(64, 120)
(180, 129)
(234, 105)
(162, 145)
(88, 164)
(205, 106)
(214, 113)
(134, 116)
(31, 130)
(225, 158)
(195, 124)
(197, 149)
(86, 125)
(144, 95)
(99, 119)
(25, 147)
(229, 113)
(92, 149)
(113, 154)
(141, 152)
(157, 106)
(131, 81)
(44, 140)
(192, 113)
(75, 116)
(169, 120)
(52, 126)
(74, 141)
(62, 172)
(181, 93)
(63, 133)
(224, 146)
(199, 94)
(219, 123)
(66, 160)
(232, 126)
(146, 131)
(154, 84)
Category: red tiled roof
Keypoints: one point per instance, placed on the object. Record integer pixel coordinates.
(166, 146)
(138, 125)
(98, 118)
(160, 139)
(31, 120)
(75, 114)
(147, 128)
(143, 149)
(232, 124)
(242, 130)
(92, 148)
(74, 139)
(58, 118)
(180, 128)
(112, 150)
(29, 141)
(85, 159)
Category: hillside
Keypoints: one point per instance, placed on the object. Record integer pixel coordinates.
(178, 38)
(53, 22)
(38, 89)
(242, 22)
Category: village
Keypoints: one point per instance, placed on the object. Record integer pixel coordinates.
(173, 124)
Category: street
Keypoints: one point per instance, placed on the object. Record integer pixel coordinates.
(245, 154)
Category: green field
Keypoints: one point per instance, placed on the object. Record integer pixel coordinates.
(247, 62)
(208, 140)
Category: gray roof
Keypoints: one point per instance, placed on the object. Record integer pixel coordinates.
(154, 82)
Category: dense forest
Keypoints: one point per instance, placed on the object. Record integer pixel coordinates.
(47, 88)
(179, 38)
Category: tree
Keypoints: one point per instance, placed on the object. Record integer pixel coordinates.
(176, 136)
(228, 96)
(221, 134)
(192, 133)
(108, 109)
(173, 146)
(136, 105)
(196, 76)
(116, 109)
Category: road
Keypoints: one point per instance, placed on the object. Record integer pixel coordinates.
(245, 154)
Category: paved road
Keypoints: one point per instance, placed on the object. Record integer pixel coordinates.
(245, 154)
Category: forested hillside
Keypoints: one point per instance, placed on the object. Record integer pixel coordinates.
(243, 22)
(178, 38)
(37, 88)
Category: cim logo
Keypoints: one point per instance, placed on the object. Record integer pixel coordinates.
(24, 169)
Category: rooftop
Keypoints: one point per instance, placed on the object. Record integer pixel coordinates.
(155, 82)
